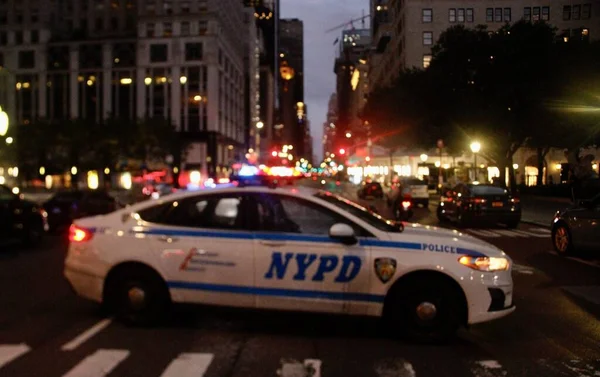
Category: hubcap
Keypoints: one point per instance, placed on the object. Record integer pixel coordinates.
(426, 311)
(561, 239)
(137, 297)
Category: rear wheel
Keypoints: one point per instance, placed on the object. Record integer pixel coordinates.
(137, 296)
(561, 239)
(425, 310)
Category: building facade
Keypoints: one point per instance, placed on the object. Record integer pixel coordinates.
(180, 60)
(406, 30)
(329, 130)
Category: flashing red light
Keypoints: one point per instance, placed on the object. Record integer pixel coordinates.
(342, 151)
(274, 153)
(78, 234)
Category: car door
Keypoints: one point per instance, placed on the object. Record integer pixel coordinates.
(204, 249)
(589, 225)
(298, 266)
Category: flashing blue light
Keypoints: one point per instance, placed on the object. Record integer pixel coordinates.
(248, 171)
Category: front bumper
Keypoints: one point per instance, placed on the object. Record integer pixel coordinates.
(490, 296)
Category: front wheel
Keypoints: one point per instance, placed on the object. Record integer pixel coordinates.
(425, 311)
(561, 240)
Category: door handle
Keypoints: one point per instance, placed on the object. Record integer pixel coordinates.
(273, 243)
(168, 239)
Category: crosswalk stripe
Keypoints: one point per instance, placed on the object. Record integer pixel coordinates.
(483, 233)
(542, 230)
(531, 234)
(84, 336)
(98, 364)
(507, 233)
(189, 365)
(9, 352)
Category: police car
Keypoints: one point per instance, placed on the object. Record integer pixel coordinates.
(287, 248)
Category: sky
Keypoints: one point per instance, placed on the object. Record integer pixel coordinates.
(319, 52)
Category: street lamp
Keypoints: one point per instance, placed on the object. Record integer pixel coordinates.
(4, 122)
(424, 157)
(259, 126)
(475, 148)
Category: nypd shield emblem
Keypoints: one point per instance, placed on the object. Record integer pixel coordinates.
(385, 268)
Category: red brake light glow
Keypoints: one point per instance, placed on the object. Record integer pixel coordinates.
(79, 234)
(515, 200)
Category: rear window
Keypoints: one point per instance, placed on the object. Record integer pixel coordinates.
(414, 182)
(488, 190)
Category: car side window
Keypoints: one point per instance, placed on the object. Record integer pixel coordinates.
(280, 213)
(207, 211)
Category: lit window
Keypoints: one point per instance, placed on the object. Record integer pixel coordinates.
(426, 60)
(470, 16)
(527, 14)
(451, 15)
(507, 15)
(536, 14)
(427, 15)
(461, 15)
(489, 15)
(545, 13)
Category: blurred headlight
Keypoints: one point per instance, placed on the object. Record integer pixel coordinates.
(485, 263)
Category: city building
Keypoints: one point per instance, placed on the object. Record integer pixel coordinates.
(351, 71)
(181, 60)
(292, 109)
(405, 30)
(329, 130)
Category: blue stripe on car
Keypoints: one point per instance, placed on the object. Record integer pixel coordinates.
(295, 237)
(279, 292)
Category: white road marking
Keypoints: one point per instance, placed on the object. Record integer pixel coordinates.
(488, 368)
(531, 234)
(507, 233)
(295, 368)
(84, 336)
(521, 269)
(189, 365)
(483, 233)
(590, 293)
(9, 352)
(542, 230)
(98, 364)
(394, 368)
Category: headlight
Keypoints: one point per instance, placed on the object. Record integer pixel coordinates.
(485, 263)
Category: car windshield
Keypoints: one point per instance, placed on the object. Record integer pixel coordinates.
(362, 213)
(488, 190)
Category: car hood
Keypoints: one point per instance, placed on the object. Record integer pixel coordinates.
(434, 239)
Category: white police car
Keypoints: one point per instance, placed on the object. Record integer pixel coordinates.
(293, 249)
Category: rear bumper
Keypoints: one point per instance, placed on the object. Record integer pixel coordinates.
(84, 284)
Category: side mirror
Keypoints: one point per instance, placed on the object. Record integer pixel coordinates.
(344, 233)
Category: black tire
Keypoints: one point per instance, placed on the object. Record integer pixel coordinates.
(440, 216)
(124, 289)
(406, 310)
(562, 240)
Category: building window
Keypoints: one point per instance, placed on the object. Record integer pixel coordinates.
(150, 30)
(34, 15)
(507, 15)
(536, 14)
(426, 60)
(451, 15)
(427, 15)
(566, 13)
(185, 28)
(19, 17)
(461, 15)
(498, 15)
(586, 11)
(527, 14)
(545, 13)
(193, 51)
(185, 6)
(3, 38)
(470, 16)
(202, 27)
(19, 37)
(489, 15)
(427, 38)
(99, 23)
(34, 36)
(26, 59)
(576, 12)
(167, 29)
(114, 23)
(158, 53)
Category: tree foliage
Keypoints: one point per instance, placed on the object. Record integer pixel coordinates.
(521, 85)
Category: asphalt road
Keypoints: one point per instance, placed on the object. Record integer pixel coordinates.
(45, 330)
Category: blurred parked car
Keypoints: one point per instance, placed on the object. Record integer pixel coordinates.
(471, 203)
(578, 227)
(21, 219)
(370, 189)
(413, 186)
(66, 206)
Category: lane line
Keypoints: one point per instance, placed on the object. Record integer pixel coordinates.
(483, 233)
(98, 364)
(506, 233)
(531, 234)
(313, 367)
(541, 230)
(189, 365)
(9, 352)
(86, 335)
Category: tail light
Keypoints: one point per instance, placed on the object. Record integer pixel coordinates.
(406, 204)
(515, 200)
(476, 201)
(79, 234)
(446, 199)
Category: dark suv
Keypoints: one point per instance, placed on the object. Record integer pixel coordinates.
(21, 219)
